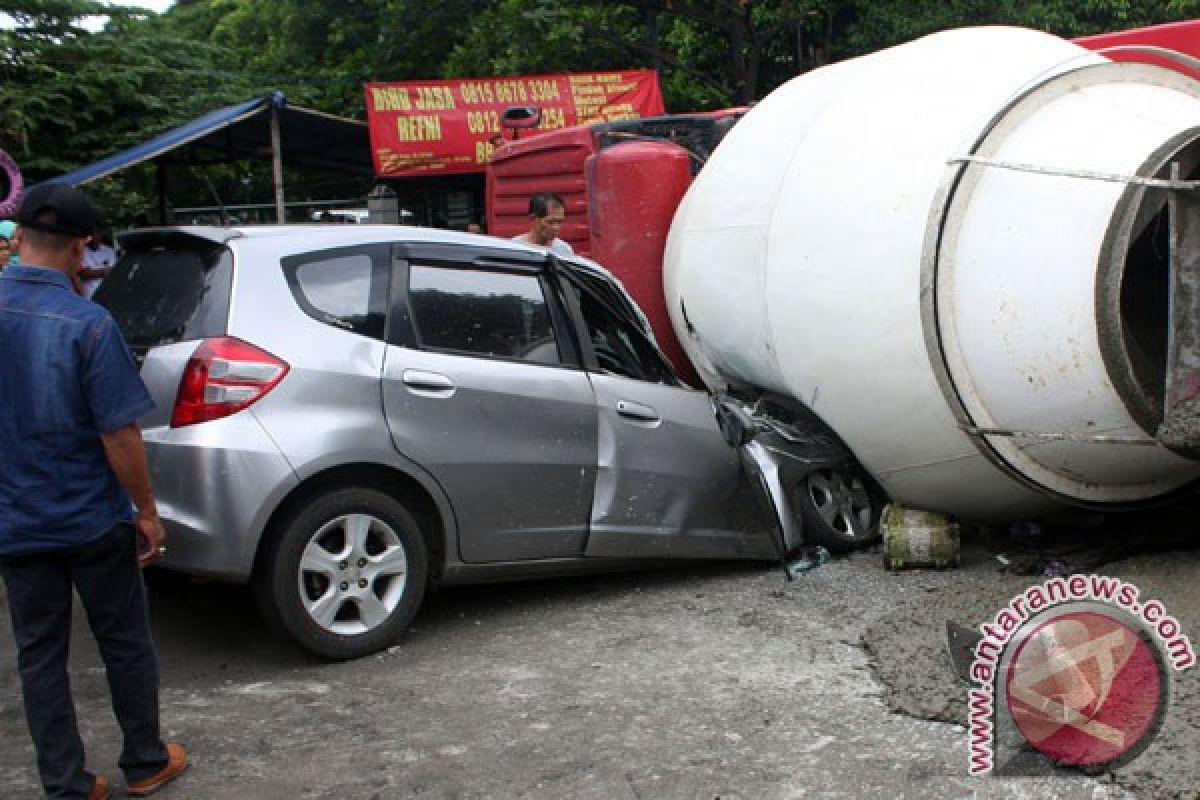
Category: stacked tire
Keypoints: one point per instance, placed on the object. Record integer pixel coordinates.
(11, 184)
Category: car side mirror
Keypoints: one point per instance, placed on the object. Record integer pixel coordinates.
(737, 426)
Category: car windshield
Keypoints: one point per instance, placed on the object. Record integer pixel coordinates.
(168, 291)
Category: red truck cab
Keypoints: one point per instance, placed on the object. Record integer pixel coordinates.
(1181, 37)
(621, 182)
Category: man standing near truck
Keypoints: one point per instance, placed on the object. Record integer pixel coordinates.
(73, 458)
(546, 214)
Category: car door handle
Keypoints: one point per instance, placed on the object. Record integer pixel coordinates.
(627, 408)
(431, 382)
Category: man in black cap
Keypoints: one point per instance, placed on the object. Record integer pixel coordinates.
(73, 457)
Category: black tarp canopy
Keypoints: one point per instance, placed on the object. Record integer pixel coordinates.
(297, 136)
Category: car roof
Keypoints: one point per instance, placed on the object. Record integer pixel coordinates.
(300, 237)
(326, 235)
(329, 234)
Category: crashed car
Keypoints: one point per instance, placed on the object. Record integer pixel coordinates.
(349, 415)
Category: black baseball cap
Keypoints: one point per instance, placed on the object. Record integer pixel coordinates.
(57, 208)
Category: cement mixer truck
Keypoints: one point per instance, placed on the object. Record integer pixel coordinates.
(974, 257)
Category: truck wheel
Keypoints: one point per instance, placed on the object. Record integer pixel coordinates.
(346, 574)
(839, 510)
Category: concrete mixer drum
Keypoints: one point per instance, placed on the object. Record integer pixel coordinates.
(969, 256)
(1127, 246)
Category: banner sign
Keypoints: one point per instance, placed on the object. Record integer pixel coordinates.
(449, 126)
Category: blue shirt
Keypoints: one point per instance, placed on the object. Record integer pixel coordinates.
(66, 376)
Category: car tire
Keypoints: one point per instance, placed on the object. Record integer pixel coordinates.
(839, 509)
(345, 575)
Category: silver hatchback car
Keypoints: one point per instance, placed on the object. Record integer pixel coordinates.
(347, 415)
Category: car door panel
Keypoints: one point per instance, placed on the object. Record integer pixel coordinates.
(667, 484)
(512, 442)
(513, 445)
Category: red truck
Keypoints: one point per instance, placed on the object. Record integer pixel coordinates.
(621, 182)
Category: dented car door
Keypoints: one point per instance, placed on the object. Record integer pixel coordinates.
(667, 484)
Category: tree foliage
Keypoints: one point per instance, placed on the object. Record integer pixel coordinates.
(868, 25)
(321, 53)
(73, 95)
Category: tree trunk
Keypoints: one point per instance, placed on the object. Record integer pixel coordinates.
(743, 91)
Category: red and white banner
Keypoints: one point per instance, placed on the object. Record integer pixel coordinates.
(448, 126)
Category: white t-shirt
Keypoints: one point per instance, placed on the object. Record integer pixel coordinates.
(102, 257)
(558, 246)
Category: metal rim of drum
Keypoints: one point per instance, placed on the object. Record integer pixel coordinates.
(1112, 258)
(1141, 392)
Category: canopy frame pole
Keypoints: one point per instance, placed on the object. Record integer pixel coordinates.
(160, 173)
(277, 165)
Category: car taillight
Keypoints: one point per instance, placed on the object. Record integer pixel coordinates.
(224, 376)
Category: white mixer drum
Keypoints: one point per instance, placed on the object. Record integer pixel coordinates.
(940, 250)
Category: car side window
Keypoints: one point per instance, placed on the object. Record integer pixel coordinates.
(619, 347)
(482, 313)
(345, 287)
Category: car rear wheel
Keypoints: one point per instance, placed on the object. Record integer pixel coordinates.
(839, 509)
(346, 574)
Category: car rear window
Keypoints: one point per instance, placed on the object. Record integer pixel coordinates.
(346, 287)
(169, 289)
